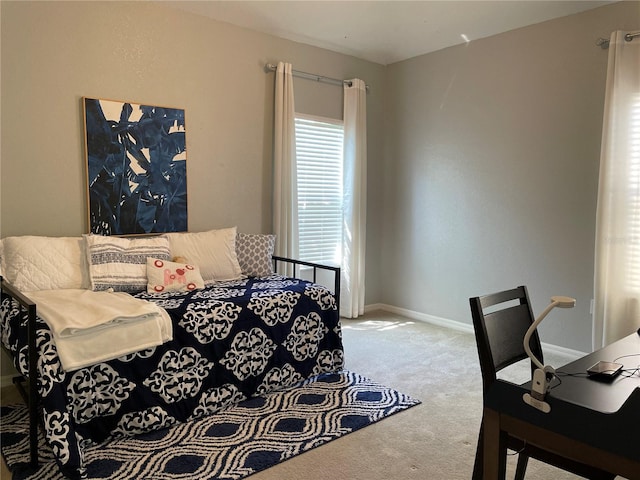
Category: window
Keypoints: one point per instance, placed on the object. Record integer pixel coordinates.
(319, 164)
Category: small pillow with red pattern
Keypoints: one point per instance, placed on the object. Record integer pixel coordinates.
(164, 276)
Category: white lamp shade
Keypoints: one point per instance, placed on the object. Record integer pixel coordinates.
(563, 302)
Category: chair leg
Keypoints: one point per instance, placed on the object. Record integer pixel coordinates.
(521, 467)
(477, 464)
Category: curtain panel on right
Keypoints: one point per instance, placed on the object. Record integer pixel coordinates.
(616, 310)
(285, 187)
(355, 199)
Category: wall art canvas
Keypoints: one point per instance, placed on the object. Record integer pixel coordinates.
(136, 166)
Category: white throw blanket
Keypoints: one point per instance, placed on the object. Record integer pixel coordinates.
(90, 327)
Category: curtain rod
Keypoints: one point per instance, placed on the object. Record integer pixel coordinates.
(269, 67)
(604, 43)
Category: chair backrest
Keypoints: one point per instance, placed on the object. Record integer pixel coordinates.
(500, 321)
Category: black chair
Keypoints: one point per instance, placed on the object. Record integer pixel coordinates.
(500, 321)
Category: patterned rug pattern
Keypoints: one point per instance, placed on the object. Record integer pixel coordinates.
(244, 439)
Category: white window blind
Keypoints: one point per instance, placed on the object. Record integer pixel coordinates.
(319, 163)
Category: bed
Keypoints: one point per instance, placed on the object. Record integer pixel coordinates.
(232, 338)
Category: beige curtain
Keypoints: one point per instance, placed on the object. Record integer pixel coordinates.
(617, 254)
(355, 199)
(285, 189)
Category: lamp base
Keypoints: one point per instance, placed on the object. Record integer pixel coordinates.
(535, 403)
(539, 388)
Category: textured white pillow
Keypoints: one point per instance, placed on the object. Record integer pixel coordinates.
(121, 263)
(163, 276)
(254, 252)
(213, 251)
(32, 263)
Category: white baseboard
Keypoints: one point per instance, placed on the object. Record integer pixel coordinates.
(567, 353)
(422, 317)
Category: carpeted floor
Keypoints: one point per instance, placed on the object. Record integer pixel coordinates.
(434, 440)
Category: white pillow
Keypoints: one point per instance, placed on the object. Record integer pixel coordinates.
(213, 251)
(121, 263)
(163, 276)
(32, 263)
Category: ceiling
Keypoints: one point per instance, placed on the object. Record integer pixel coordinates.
(384, 31)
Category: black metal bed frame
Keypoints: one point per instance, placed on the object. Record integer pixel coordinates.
(315, 267)
(29, 389)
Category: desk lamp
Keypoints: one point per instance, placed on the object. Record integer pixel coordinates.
(542, 375)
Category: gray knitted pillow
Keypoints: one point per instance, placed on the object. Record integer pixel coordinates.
(254, 251)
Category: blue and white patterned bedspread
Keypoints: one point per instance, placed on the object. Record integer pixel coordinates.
(231, 340)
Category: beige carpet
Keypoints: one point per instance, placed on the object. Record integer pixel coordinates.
(434, 440)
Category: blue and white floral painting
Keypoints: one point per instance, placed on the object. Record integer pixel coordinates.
(137, 174)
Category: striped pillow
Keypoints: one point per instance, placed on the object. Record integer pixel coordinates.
(121, 263)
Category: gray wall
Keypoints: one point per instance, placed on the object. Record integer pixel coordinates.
(491, 170)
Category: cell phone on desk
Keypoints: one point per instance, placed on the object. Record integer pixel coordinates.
(604, 370)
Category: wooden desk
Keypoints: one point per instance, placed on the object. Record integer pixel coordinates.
(592, 422)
